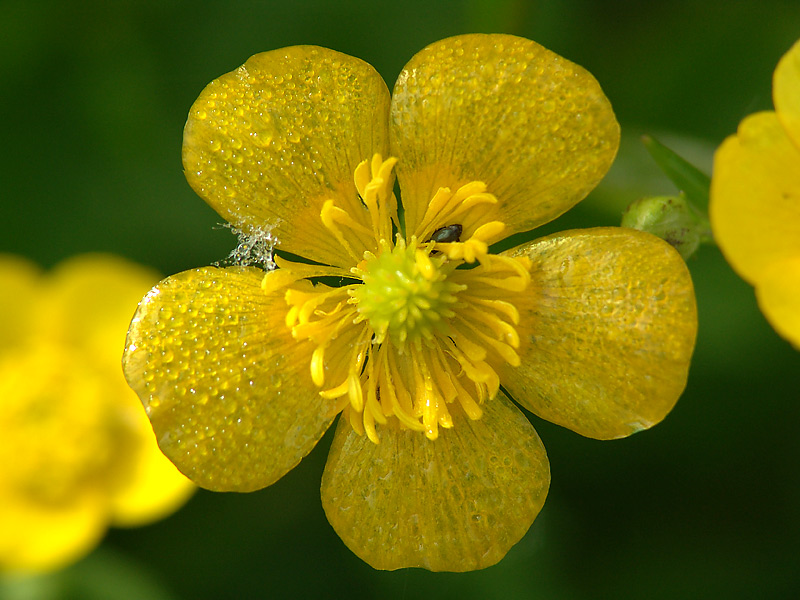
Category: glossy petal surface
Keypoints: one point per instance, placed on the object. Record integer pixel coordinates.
(267, 144)
(778, 293)
(227, 389)
(456, 504)
(786, 92)
(536, 128)
(87, 308)
(77, 450)
(755, 196)
(607, 329)
(148, 487)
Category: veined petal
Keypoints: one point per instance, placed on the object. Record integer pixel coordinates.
(755, 196)
(454, 504)
(607, 328)
(786, 92)
(226, 387)
(778, 293)
(266, 145)
(534, 127)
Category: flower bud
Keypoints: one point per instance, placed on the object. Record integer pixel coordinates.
(672, 218)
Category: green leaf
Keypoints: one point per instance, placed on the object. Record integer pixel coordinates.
(688, 178)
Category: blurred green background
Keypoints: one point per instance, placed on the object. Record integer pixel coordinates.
(706, 505)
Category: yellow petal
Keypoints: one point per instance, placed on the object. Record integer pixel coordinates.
(755, 196)
(38, 538)
(786, 92)
(454, 504)
(147, 486)
(607, 328)
(778, 293)
(19, 281)
(87, 304)
(226, 387)
(57, 453)
(267, 144)
(534, 127)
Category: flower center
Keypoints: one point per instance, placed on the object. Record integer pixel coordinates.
(416, 335)
(405, 293)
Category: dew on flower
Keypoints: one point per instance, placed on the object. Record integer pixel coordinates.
(391, 312)
(255, 247)
(75, 439)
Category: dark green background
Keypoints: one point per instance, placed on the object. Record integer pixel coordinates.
(707, 505)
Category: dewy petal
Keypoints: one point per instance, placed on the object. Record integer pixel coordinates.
(607, 328)
(534, 127)
(755, 196)
(454, 504)
(151, 487)
(786, 92)
(266, 145)
(778, 293)
(226, 387)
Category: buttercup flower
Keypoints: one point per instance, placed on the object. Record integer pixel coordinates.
(76, 452)
(755, 201)
(403, 320)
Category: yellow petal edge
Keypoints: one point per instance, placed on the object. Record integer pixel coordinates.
(786, 92)
(225, 385)
(455, 504)
(535, 128)
(78, 452)
(606, 330)
(267, 144)
(778, 294)
(755, 196)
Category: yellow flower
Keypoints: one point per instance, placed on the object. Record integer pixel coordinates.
(432, 465)
(755, 201)
(76, 452)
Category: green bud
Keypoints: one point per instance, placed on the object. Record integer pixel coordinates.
(673, 219)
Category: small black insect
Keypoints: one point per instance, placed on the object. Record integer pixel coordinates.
(447, 234)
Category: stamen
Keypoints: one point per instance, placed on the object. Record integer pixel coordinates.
(476, 247)
(332, 216)
(417, 335)
(446, 207)
(374, 184)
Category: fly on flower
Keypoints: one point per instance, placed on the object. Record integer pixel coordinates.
(241, 371)
(448, 233)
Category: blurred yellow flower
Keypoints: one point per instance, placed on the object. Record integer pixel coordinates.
(431, 465)
(77, 451)
(755, 201)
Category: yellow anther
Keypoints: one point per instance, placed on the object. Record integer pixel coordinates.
(425, 265)
(448, 208)
(318, 366)
(416, 334)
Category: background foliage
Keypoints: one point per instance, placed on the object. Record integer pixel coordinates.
(707, 504)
